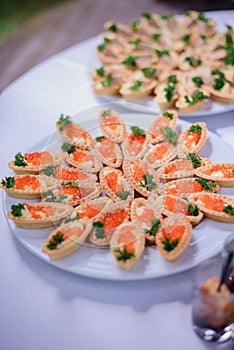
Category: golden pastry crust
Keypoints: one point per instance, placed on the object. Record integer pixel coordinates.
(102, 149)
(59, 211)
(45, 184)
(214, 172)
(101, 89)
(148, 213)
(185, 187)
(90, 163)
(112, 125)
(224, 95)
(138, 243)
(168, 118)
(176, 205)
(135, 90)
(187, 144)
(180, 168)
(148, 182)
(98, 204)
(135, 146)
(173, 223)
(104, 227)
(70, 241)
(153, 157)
(75, 134)
(188, 108)
(64, 174)
(214, 200)
(123, 187)
(55, 159)
(74, 192)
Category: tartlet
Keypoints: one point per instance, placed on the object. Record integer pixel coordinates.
(148, 213)
(66, 239)
(222, 173)
(28, 186)
(192, 139)
(215, 206)
(34, 162)
(108, 152)
(38, 215)
(112, 125)
(174, 236)
(74, 133)
(115, 184)
(127, 244)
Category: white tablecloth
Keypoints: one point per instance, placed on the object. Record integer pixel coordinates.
(42, 307)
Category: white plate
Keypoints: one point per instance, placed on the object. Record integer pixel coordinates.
(207, 239)
(209, 107)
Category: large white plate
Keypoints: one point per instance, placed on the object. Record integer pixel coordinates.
(207, 239)
(209, 108)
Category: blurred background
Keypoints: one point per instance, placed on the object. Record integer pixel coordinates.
(33, 30)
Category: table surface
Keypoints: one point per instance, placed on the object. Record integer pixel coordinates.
(43, 307)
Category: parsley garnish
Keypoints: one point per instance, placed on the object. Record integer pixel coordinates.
(186, 38)
(100, 71)
(106, 113)
(197, 96)
(138, 131)
(218, 72)
(107, 81)
(99, 229)
(9, 182)
(135, 42)
(156, 36)
(100, 138)
(194, 62)
(63, 121)
(134, 26)
(194, 159)
(146, 15)
(113, 27)
(202, 17)
(206, 184)
(218, 84)
(70, 219)
(195, 128)
(170, 87)
(51, 197)
(162, 53)
(20, 160)
(16, 210)
(136, 86)
(55, 241)
(124, 195)
(130, 61)
(169, 245)
(170, 135)
(102, 46)
(123, 254)
(229, 209)
(197, 81)
(166, 17)
(148, 71)
(68, 148)
(193, 209)
(71, 183)
(168, 115)
(156, 224)
(148, 182)
(49, 170)
(203, 37)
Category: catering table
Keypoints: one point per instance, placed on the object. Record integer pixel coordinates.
(42, 307)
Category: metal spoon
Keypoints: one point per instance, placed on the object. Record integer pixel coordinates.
(229, 250)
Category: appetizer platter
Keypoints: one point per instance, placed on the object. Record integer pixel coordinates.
(113, 214)
(167, 61)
